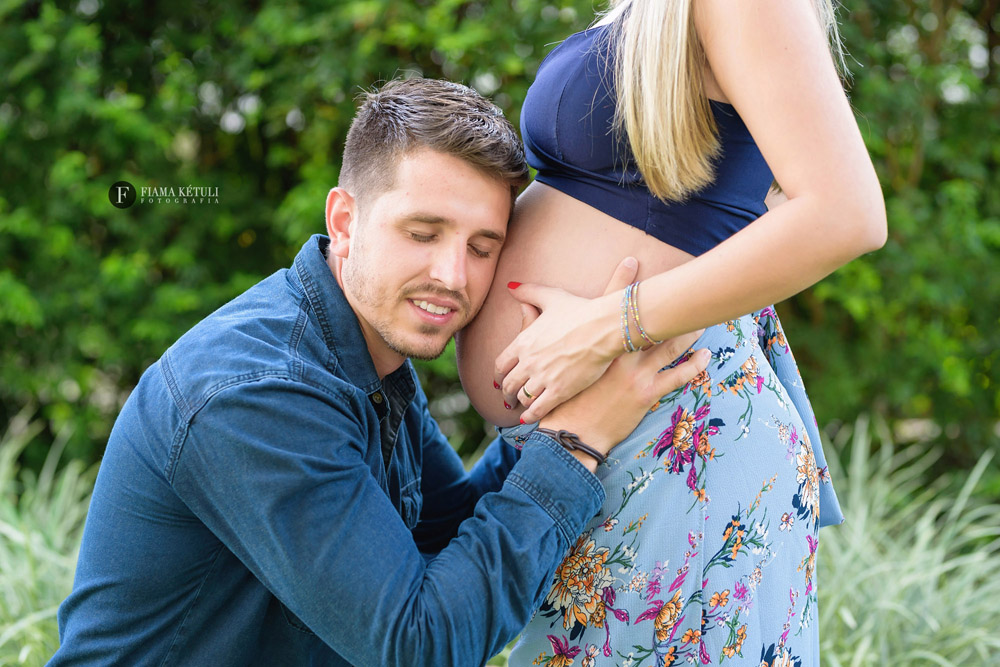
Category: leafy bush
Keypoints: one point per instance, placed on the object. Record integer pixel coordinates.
(912, 329)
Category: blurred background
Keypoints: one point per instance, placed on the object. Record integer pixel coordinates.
(900, 349)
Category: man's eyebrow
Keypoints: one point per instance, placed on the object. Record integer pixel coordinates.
(433, 219)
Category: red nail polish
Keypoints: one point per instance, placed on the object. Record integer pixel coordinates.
(521, 419)
(505, 405)
(513, 285)
(495, 385)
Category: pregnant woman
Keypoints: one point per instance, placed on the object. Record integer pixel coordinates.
(657, 134)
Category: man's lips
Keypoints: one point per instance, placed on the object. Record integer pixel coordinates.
(437, 310)
(433, 307)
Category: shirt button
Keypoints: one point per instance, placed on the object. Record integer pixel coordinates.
(377, 398)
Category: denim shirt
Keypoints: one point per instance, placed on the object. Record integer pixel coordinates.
(266, 500)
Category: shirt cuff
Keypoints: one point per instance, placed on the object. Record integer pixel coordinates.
(559, 483)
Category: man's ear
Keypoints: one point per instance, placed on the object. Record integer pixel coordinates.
(341, 212)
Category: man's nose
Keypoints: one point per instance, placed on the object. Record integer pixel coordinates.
(449, 266)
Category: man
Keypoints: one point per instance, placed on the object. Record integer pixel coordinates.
(275, 491)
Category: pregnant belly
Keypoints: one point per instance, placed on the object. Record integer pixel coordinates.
(553, 240)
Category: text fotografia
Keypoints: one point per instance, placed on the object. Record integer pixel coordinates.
(191, 194)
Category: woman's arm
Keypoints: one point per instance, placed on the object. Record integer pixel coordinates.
(771, 60)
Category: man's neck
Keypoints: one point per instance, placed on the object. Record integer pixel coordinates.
(385, 360)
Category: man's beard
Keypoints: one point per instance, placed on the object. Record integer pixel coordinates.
(366, 294)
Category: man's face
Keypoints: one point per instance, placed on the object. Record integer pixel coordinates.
(416, 262)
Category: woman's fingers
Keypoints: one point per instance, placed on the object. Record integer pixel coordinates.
(623, 276)
(522, 395)
(512, 385)
(539, 296)
(670, 349)
(678, 376)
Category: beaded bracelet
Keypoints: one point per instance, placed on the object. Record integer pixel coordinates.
(626, 334)
(571, 441)
(630, 306)
(634, 307)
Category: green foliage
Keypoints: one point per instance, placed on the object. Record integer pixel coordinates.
(909, 579)
(253, 101)
(41, 522)
(914, 328)
(256, 100)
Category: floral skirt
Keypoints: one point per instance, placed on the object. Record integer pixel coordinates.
(705, 549)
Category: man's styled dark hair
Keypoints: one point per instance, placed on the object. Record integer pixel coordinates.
(407, 115)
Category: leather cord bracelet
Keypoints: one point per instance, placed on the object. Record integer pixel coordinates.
(572, 442)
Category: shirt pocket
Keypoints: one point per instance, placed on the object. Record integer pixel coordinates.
(410, 503)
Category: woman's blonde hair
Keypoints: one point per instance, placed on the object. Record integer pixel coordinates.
(662, 106)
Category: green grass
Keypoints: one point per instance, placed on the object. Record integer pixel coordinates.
(912, 577)
(41, 522)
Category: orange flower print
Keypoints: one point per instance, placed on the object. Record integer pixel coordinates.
(702, 382)
(665, 619)
(747, 374)
(670, 657)
(579, 582)
(806, 501)
(704, 450)
(719, 599)
(691, 636)
(734, 523)
(664, 615)
(733, 536)
(737, 646)
(683, 431)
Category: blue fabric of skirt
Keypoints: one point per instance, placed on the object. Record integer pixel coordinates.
(705, 549)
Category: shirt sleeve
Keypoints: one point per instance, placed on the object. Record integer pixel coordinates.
(449, 492)
(277, 471)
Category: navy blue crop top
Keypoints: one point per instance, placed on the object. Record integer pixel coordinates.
(567, 127)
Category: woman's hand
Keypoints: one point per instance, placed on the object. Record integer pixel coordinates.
(603, 414)
(569, 346)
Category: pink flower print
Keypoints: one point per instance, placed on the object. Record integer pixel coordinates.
(692, 480)
(706, 659)
(563, 652)
(739, 591)
(609, 600)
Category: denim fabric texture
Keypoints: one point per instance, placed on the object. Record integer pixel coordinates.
(266, 499)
